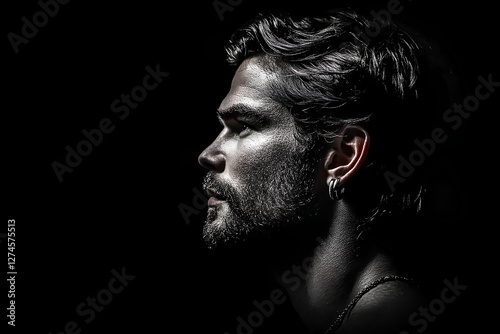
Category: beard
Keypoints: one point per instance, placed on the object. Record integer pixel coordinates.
(272, 204)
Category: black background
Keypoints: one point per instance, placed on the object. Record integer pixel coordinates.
(120, 207)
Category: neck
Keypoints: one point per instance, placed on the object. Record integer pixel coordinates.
(321, 283)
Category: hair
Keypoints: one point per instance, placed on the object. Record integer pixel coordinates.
(342, 67)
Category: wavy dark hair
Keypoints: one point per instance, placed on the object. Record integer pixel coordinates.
(343, 67)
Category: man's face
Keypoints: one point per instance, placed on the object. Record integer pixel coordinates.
(260, 180)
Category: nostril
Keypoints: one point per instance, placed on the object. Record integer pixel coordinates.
(203, 161)
(211, 160)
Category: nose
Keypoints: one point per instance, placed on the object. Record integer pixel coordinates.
(212, 158)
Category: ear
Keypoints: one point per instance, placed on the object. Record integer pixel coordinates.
(347, 154)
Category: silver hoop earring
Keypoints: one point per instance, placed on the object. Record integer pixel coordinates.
(334, 190)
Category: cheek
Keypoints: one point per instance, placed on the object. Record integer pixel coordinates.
(263, 155)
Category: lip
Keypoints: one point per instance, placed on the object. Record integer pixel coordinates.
(214, 198)
(213, 201)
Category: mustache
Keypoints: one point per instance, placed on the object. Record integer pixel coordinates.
(223, 190)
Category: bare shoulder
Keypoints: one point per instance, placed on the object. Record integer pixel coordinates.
(384, 309)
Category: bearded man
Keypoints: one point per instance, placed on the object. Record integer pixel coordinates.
(317, 114)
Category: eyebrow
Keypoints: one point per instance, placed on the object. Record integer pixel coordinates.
(258, 116)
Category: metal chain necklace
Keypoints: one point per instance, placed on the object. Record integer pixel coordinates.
(347, 311)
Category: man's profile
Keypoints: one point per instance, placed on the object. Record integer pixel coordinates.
(315, 115)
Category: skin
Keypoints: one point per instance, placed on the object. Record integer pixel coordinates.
(336, 274)
(236, 144)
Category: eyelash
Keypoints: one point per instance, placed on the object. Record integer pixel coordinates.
(238, 127)
(244, 126)
(241, 127)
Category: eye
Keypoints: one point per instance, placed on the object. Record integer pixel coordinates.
(241, 128)
(244, 127)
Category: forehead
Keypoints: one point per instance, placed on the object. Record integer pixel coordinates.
(249, 87)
